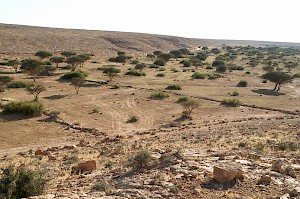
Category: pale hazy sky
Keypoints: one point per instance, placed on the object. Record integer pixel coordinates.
(269, 20)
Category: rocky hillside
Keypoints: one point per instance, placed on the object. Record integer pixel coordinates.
(22, 40)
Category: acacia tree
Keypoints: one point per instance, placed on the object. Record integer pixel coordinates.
(43, 54)
(15, 64)
(32, 67)
(68, 53)
(278, 78)
(111, 72)
(35, 90)
(4, 80)
(57, 60)
(189, 106)
(290, 66)
(75, 61)
(84, 57)
(77, 83)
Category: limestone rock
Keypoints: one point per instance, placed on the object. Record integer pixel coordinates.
(225, 173)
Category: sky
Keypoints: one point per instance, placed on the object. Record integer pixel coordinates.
(264, 20)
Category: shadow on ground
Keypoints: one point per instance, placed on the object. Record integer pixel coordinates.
(267, 92)
(53, 97)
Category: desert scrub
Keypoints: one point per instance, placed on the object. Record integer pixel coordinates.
(132, 119)
(198, 75)
(135, 73)
(140, 160)
(182, 99)
(19, 84)
(74, 74)
(20, 183)
(242, 83)
(159, 95)
(174, 70)
(102, 186)
(160, 75)
(214, 76)
(231, 102)
(115, 86)
(234, 93)
(173, 87)
(26, 108)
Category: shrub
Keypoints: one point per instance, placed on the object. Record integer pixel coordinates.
(234, 67)
(160, 62)
(297, 75)
(218, 63)
(248, 72)
(182, 99)
(140, 66)
(186, 63)
(221, 69)
(242, 83)
(132, 119)
(234, 93)
(160, 75)
(135, 61)
(173, 87)
(74, 74)
(19, 84)
(214, 76)
(198, 75)
(159, 95)
(115, 86)
(174, 70)
(135, 73)
(20, 183)
(141, 159)
(231, 102)
(102, 186)
(26, 108)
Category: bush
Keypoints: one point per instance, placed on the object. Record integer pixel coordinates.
(198, 75)
(214, 76)
(159, 95)
(160, 62)
(26, 108)
(140, 66)
(20, 183)
(297, 75)
(242, 83)
(18, 84)
(174, 70)
(141, 159)
(102, 186)
(74, 74)
(231, 102)
(160, 75)
(221, 69)
(218, 63)
(115, 86)
(234, 93)
(135, 73)
(132, 119)
(173, 87)
(182, 99)
(186, 63)
(235, 67)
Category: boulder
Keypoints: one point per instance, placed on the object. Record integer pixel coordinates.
(225, 173)
(265, 179)
(85, 167)
(277, 166)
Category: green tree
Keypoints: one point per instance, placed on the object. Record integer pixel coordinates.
(68, 53)
(32, 67)
(75, 61)
(43, 54)
(4, 80)
(35, 89)
(84, 57)
(57, 60)
(111, 72)
(77, 83)
(290, 65)
(15, 64)
(278, 78)
(189, 106)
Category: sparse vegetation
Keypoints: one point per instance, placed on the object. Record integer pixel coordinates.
(159, 95)
(173, 87)
(36, 90)
(135, 73)
(231, 102)
(26, 108)
(74, 74)
(242, 83)
(77, 83)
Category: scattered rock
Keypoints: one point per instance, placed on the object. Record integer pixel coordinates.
(265, 179)
(225, 173)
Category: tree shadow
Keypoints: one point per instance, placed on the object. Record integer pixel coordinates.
(53, 97)
(13, 117)
(214, 185)
(267, 92)
(89, 85)
(7, 72)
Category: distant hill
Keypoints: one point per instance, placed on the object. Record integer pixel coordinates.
(23, 40)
